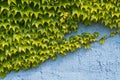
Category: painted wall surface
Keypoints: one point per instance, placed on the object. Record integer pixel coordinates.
(100, 62)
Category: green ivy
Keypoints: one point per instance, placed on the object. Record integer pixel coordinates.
(33, 31)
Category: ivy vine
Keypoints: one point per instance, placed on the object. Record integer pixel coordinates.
(33, 31)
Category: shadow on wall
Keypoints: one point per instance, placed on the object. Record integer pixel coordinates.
(100, 62)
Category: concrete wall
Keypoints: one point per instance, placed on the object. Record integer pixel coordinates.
(100, 62)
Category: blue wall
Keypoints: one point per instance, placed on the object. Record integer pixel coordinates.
(100, 62)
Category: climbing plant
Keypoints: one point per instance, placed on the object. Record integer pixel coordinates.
(33, 31)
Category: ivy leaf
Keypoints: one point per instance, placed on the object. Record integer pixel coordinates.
(76, 12)
(14, 27)
(4, 43)
(1, 48)
(36, 14)
(4, 25)
(102, 40)
(16, 37)
(44, 46)
(72, 50)
(119, 24)
(54, 57)
(112, 34)
(2, 75)
(8, 53)
(94, 18)
(77, 4)
(45, 40)
(52, 53)
(27, 1)
(84, 7)
(109, 5)
(55, 7)
(22, 48)
(43, 1)
(62, 52)
(9, 1)
(87, 46)
(42, 59)
(116, 14)
(51, 13)
(59, 36)
(1, 69)
(85, 16)
(96, 34)
(78, 45)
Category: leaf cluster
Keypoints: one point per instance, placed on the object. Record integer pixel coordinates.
(33, 31)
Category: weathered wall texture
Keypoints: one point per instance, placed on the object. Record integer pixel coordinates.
(100, 62)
